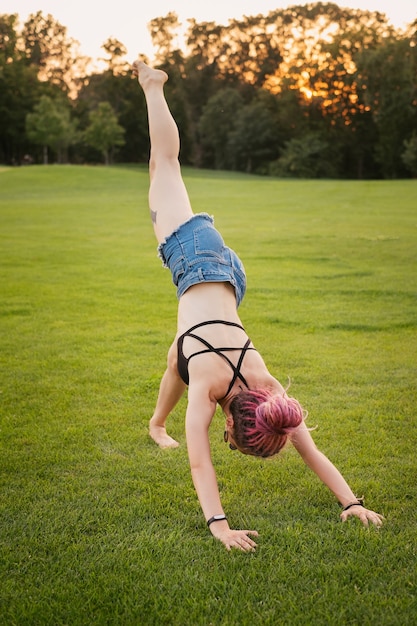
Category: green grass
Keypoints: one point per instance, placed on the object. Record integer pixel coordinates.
(98, 526)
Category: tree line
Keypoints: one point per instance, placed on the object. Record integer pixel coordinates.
(313, 90)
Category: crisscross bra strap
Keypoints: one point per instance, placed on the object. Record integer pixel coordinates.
(236, 370)
(220, 351)
(208, 322)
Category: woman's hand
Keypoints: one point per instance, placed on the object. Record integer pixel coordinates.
(365, 515)
(238, 539)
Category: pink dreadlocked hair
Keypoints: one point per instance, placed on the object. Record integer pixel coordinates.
(263, 420)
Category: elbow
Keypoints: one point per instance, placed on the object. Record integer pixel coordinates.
(198, 466)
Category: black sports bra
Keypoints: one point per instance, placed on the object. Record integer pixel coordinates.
(182, 364)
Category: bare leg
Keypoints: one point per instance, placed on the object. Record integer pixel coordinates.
(170, 392)
(168, 198)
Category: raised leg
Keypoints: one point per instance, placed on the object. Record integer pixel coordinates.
(168, 198)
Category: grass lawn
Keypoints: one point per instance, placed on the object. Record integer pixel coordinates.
(97, 525)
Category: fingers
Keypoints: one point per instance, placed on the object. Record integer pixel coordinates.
(242, 541)
(239, 540)
(247, 544)
(377, 519)
(365, 515)
(243, 546)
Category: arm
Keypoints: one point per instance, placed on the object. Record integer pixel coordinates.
(331, 477)
(200, 412)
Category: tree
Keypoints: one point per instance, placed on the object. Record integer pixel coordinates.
(242, 52)
(104, 131)
(307, 157)
(19, 91)
(47, 47)
(128, 103)
(321, 45)
(216, 123)
(409, 156)
(115, 50)
(163, 33)
(8, 38)
(330, 89)
(389, 72)
(50, 126)
(254, 140)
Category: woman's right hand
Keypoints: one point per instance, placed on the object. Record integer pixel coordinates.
(365, 515)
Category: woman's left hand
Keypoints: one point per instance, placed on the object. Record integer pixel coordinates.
(365, 515)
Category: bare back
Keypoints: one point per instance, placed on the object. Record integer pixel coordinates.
(217, 301)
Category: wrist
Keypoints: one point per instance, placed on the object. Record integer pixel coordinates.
(218, 526)
(216, 518)
(357, 502)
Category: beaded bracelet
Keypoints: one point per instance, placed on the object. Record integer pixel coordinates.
(216, 518)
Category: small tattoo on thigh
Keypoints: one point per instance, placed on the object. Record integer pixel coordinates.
(153, 216)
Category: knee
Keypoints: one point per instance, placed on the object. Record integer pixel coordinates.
(172, 359)
(152, 166)
(163, 162)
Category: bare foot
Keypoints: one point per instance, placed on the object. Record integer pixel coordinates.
(161, 437)
(147, 75)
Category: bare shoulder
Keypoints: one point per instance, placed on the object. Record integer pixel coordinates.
(201, 403)
(209, 377)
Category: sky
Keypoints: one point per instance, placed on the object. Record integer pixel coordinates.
(92, 23)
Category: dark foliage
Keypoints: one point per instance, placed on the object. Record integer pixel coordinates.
(308, 91)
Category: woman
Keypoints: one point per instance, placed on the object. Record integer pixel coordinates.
(211, 353)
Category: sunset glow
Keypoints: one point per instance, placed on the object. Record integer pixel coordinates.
(129, 22)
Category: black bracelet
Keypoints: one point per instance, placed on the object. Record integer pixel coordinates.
(216, 518)
(358, 503)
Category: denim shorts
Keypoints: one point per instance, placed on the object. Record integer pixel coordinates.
(196, 253)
